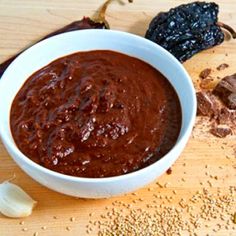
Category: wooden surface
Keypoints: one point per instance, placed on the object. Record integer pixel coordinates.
(23, 22)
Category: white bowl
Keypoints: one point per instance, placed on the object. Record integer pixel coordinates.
(50, 49)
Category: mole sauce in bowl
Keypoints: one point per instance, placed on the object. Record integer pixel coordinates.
(96, 113)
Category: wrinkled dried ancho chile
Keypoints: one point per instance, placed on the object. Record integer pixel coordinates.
(188, 29)
(86, 23)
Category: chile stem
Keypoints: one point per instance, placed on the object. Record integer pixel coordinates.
(101, 18)
(227, 27)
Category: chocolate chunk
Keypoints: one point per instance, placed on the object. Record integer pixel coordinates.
(206, 104)
(205, 73)
(224, 115)
(226, 91)
(221, 132)
(169, 171)
(222, 66)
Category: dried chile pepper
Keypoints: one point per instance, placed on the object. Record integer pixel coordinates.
(98, 22)
(85, 23)
(188, 29)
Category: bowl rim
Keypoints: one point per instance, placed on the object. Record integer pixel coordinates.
(181, 139)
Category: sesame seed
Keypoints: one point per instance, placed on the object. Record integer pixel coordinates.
(160, 219)
(166, 184)
(209, 182)
(161, 186)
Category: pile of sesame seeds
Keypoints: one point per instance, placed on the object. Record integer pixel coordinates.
(187, 217)
(45, 228)
(199, 206)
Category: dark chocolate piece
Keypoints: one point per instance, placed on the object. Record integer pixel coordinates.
(169, 171)
(221, 132)
(224, 116)
(226, 91)
(206, 104)
(222, 66)
(205, 73)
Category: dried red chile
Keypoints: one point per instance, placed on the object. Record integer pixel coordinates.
(188, 29)
(85, 23)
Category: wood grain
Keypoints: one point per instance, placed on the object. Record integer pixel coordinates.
(22, 23)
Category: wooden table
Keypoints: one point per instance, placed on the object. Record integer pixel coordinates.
(23, 22)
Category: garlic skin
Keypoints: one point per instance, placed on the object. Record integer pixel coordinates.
(14, 202)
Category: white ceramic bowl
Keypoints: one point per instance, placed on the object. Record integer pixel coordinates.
(48, 50)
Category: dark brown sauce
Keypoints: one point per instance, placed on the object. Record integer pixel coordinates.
(96, 114)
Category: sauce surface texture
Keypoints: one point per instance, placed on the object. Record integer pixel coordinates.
(96, 114)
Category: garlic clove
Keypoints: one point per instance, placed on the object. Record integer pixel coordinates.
(14, 202)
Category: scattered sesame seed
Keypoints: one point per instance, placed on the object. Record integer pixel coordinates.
(68, 228)
(22, 223)
(161, 186)
(24, 229)
(201, 210)
(72, 219)
(209, 182)
(166, 184)
(44, 227)
(36, 233)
